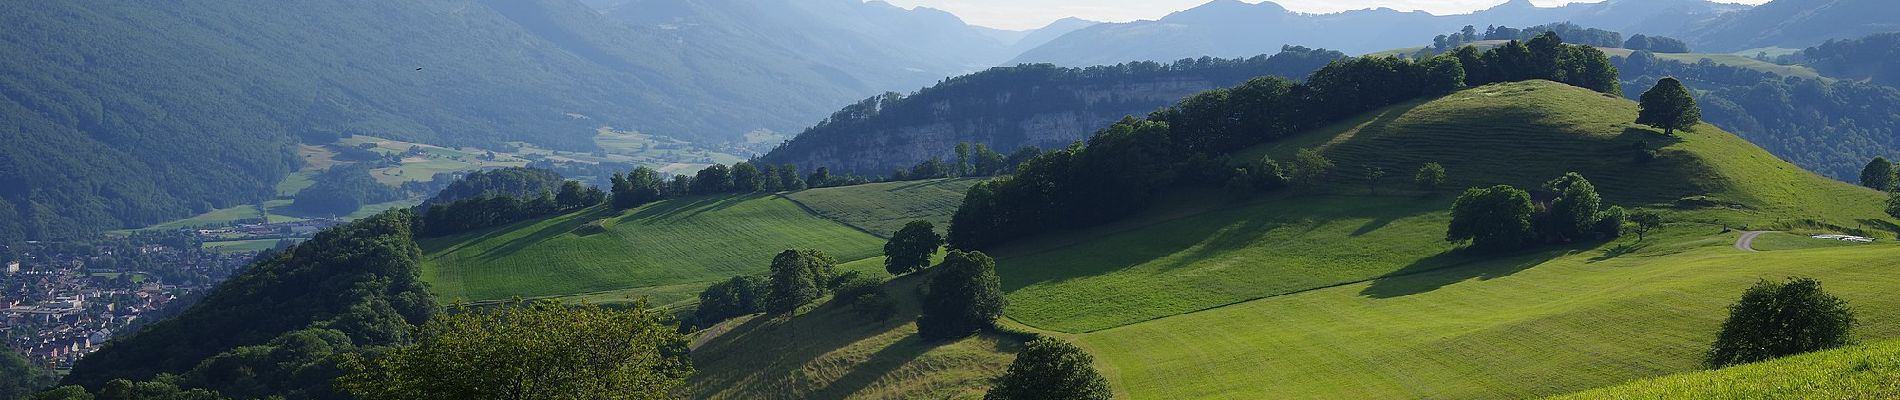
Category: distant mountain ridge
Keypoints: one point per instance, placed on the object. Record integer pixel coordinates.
(1225, 28)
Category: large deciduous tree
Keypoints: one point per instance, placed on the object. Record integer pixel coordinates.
(1577, 209)
(1049, 369)
(1497, 218)
(1669, 106)
(798, 278)
(1776, 319)
(964, 297)
(909, 249)
(1878, 174)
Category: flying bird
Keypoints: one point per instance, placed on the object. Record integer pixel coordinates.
(418, 69)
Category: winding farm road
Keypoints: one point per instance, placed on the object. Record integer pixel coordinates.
(1747, 242)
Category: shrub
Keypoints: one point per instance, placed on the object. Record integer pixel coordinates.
(1050, 369)
(1781, 319)
(964, 297)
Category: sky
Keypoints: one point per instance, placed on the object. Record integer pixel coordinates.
(1031, 14)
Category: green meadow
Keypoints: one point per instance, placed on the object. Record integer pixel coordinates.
(674, 242)
(883, 208)
(1859, 372)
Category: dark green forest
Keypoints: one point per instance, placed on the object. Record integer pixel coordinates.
(1030, 89)
(276, 328)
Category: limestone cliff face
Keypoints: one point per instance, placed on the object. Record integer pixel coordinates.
(1006, 109)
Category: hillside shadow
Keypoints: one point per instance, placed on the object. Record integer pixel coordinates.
(541, 235)
(780, 348)
(1455, 266)
(1620, 250)
(686, 208)
(1881, 225)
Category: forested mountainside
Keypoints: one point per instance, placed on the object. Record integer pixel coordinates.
(1007, 108)
(276, 328)
(1875, 58)
(1795, 24)
(1831, 127)
(122, 113)
(1228, 28)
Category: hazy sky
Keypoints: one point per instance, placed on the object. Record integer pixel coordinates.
(1030, 14)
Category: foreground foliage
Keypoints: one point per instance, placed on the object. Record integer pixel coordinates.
(531, 350)
(1858, 372)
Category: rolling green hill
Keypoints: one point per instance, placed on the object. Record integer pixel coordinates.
(1860, 372)
(668, 249)
(883, 208)
(1336, 293)
(672, 249)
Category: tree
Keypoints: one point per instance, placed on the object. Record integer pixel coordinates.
(1577, 208)
(1310, 167)
(529, 350)
(1893, 204)
(1781, 319)
(773, 183)
(1612, 221)
(819, 178)
(1048, 368)
(1267, 174)
(1429, 177)
(643, 185)
(1669, 106)
(1373, 174)
(738, 296)
(798, 278)
(745, 178)
(1878, 174)
(788, 175)
(1497, 218)
(1644, 221)
(962, 168)
(911, 247)
(715, 179)
(965, 296)
(20, 377)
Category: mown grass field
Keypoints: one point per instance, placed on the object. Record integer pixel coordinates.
(1180, 259)
(1332, 292)
(1858, 372)
(675, 242)
(218, 217)
(883, 208)
(237, 246)
(833, 352)
(1516, 327)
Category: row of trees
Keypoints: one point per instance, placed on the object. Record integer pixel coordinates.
(466, 215)
(1124, 165)
(645, 185)
(1504, 218)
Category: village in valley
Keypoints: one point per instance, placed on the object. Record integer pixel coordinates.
(62, 300)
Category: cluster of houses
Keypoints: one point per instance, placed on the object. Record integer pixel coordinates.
(59, 303)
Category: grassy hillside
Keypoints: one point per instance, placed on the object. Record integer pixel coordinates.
(1860, 372)
(883, 208)
(664, 246)
(1334, 292)
(832, 352)
(1204, 253)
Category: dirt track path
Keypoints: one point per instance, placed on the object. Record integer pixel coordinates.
(1747, 242)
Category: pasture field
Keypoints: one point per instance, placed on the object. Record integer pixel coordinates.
(237, 246)
(883, 208)
(833, 352)
(1528, 325)
(674, 242)
(218, 217)
(1858, 372)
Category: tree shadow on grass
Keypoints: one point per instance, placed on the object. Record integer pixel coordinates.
(1881, 225)
(771, 355)
(1620, 250)
(543, 234)
(1455, 266)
